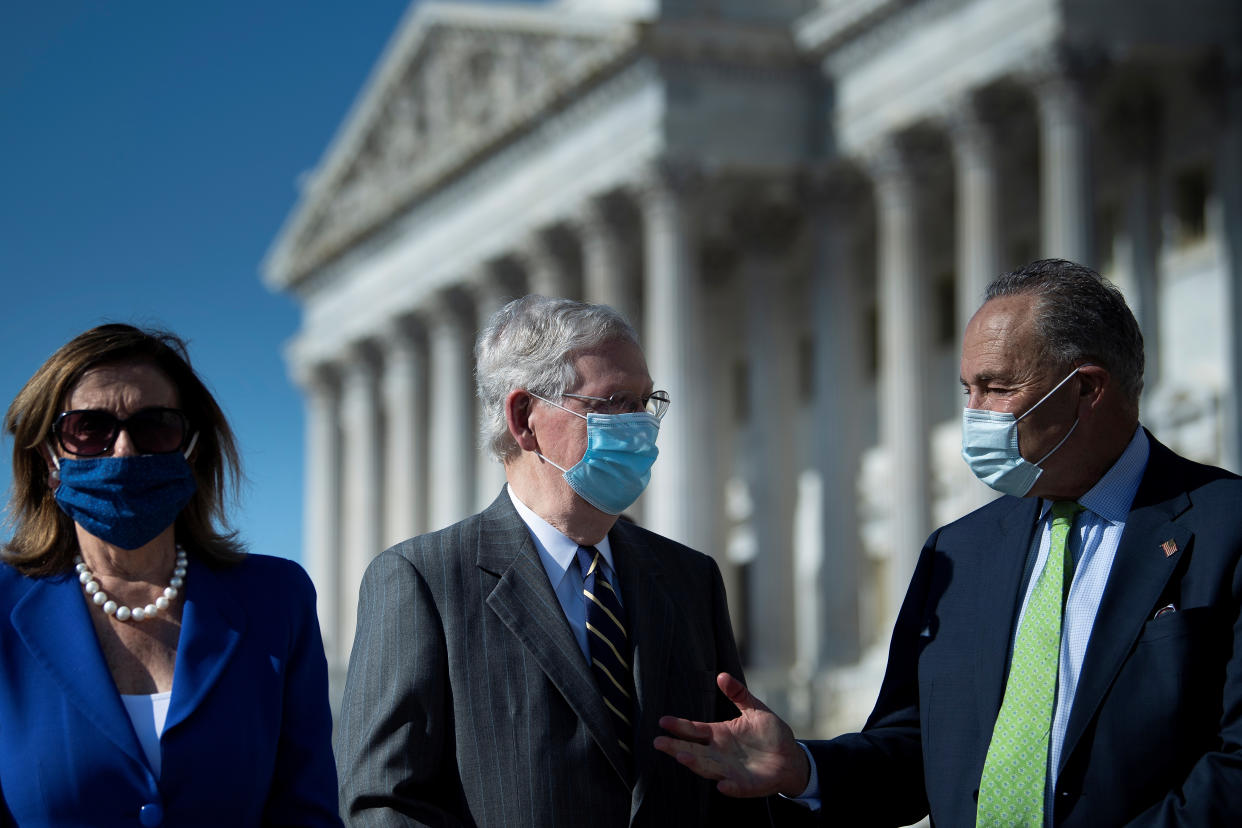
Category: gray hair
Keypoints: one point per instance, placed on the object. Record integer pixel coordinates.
(1081, 317)
(532, 343)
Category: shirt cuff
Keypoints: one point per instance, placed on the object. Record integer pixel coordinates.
(809, 798)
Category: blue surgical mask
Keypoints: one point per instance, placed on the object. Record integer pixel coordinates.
(990, 447)
(616, 466)
(125, 501)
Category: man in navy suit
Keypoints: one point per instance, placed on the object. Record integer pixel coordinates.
(1141, 678)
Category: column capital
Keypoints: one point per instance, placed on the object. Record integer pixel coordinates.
(834, 188)
(317, 376)
(668, 177)
(360, 361)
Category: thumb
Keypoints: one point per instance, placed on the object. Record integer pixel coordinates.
(738, 694)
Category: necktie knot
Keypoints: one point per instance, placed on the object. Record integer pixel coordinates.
(1066, 510)
(589, 560)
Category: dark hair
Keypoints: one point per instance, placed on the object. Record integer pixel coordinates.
(44, 540)
(1081, 317)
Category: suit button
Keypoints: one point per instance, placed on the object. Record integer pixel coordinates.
(151, 815)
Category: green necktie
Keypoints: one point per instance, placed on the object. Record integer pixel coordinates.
(1011, 792)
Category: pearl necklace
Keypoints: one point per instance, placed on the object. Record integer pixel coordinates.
(121, 613)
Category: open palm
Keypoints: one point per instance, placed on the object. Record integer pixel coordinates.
(754, 754)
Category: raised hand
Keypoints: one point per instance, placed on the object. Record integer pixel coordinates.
(752, 755)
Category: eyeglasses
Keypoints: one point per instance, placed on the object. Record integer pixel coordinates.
(656, 403)
(89, 432)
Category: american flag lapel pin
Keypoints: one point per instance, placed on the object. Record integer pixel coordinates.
(1169, 547)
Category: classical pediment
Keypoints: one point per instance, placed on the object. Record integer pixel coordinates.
(456, 81)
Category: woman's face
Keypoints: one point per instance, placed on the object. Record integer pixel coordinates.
(121, 389)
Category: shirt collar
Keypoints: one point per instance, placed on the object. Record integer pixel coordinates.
(556, 551)
(1111, 496)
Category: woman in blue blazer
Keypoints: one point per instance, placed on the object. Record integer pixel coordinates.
(151, 672)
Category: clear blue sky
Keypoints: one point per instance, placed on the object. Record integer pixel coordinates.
(148, 157)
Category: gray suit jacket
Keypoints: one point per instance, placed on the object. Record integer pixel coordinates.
(468, 701)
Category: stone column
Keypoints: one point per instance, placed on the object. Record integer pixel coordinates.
(607, 269)
(1229, 184)
(979, 229)
(361, 429)
(903, 347)
(321, 516)
(1066, 184)
(677, 503)
(549, 268)
(405, 396)
(978, 208)
(829, 630)
(766, 225)
(450, 341)
(1138, 136)
(490, 290)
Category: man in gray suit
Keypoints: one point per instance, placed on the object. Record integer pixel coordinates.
(509, 670)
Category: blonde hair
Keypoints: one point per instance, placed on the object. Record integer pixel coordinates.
(44, 541)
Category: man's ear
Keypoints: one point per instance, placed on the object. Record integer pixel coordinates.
(1094, 380)
(518, 405)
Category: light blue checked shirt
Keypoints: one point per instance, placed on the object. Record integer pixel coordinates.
(1093, 545)
(559, 556)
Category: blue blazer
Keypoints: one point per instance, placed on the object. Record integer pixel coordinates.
(1154, 737)
(247, 740)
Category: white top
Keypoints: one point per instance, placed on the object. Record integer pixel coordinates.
(148, 714)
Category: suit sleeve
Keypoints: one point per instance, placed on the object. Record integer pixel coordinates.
(304, 781)
(1212, 792)
(394, 750)
(876, 777)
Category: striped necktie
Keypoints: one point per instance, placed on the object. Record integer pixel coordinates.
(609, 645)
(1011, 792)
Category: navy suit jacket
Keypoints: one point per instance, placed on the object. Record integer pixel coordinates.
(247, 740)
(469, 703)
(1155, 732)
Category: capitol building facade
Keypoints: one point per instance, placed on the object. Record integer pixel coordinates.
(798, 203)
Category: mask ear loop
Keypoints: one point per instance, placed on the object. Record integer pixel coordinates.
(1054, 390)
(190, 448)
(53, 474)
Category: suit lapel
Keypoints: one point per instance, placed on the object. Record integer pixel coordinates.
(53, 623)
(525, 603)
(1140, 572)
(999, 589)
(212, 624)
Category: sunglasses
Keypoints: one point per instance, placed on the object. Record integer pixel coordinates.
(89, 432)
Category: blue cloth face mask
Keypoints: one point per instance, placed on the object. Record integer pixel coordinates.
(990, 447)
(125, 501)
(616, 466)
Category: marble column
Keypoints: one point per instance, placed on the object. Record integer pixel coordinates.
(903, 349)
(607, 267)
(550, 271)
(766, 229)
(405, 401)
(321, 518)
(450, 340)
(979, 229)
(362, 436)
(490, 290)
(1229, 185)
(1067, 207)
(678, 503)
(829, 629)
(1139, 140)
